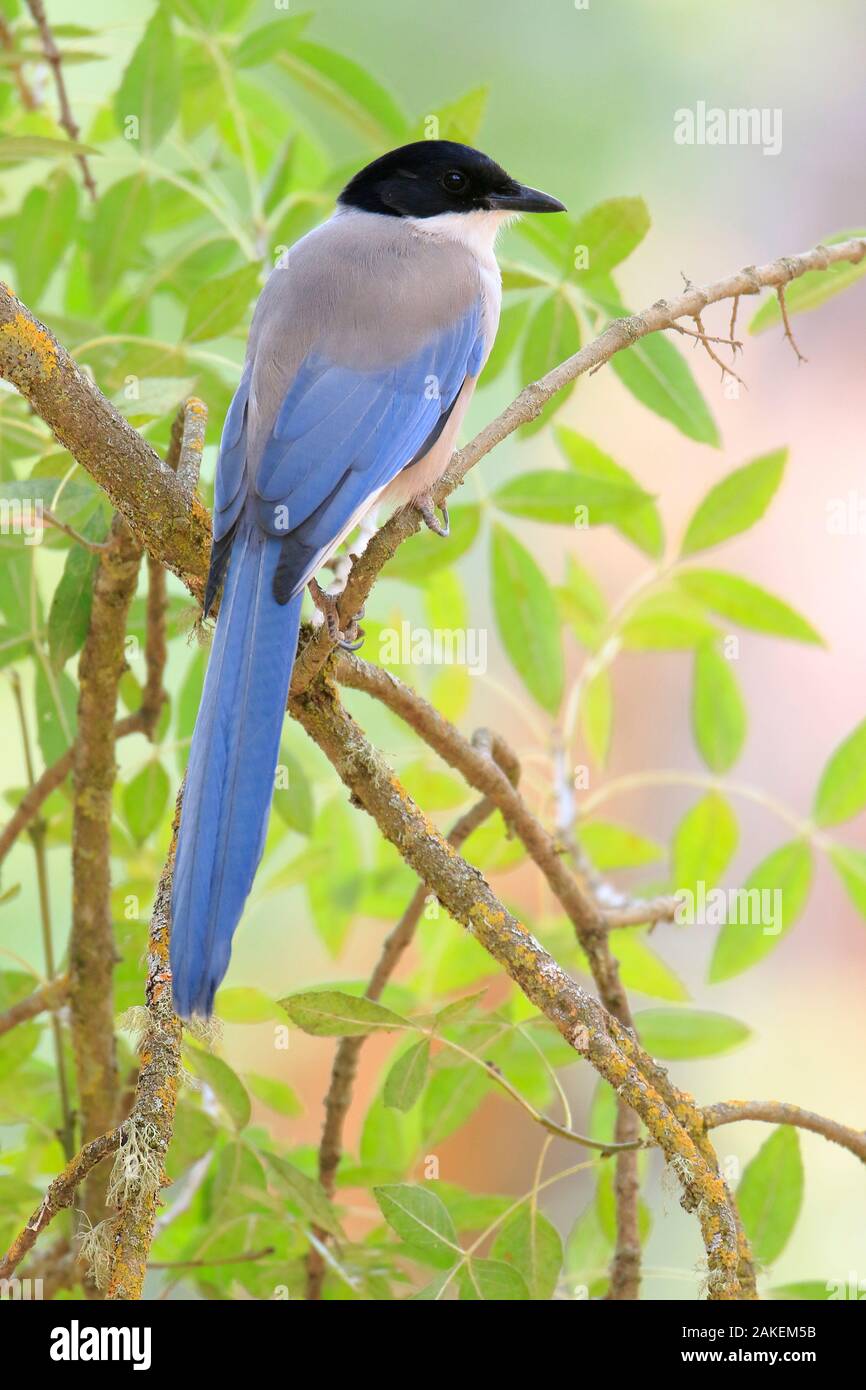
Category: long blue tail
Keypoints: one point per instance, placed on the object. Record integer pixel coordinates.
(230, 777)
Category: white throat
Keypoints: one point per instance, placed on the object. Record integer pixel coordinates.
(476, 230)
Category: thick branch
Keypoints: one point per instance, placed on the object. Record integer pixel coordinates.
(91, 941)
(585, 1024)
(144, 490)
(151, 1119)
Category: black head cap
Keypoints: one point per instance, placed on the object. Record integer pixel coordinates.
(431, 177)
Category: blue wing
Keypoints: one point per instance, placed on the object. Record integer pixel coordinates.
(340, 436)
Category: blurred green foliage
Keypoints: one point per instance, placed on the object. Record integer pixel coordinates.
(206, 173)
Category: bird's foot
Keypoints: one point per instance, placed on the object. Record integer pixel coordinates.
(353, 638)
(426, 507)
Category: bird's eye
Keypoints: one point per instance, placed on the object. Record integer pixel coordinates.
(454, 181)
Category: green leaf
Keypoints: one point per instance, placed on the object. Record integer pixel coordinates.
(347, 89)
(850, 864)
(640, 524)
(145, 799)
(596, 715)
(225, 1084)
(422, 1220)
(426, 553)
(610, 232)
(526, 616)
(582, 603)
(552, 336)
(605, 1202)
(334, 896)
(458, 120)
(612, 846)
(641, 969)
(435, 790)
(531, 1246)
(667, 621)
(309, 1195)
(678, 1034)
(529, 1243)
(718, 712)
(704, 842)
(741, 944)
(811, 289)
(491, 1281)
(267, 42)
(657, 374)
(69, 614)
(56, 713)
(273, 1093)
(811, 1290)
(587, 1251)
(554, 495)
(407, 1077)
(735, 503)
(119, 225)
(293, 795)
(511, 322)
(245, 1004)
(770, 1193)
(150, 87)
(746, 604)
(220, 305)
(44, 228)
(841, 791)
(328, 1013)
(14, 148)
(454, 1092)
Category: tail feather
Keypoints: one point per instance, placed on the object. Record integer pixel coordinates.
(230, 777)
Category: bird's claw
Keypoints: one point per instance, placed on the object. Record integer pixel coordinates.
(426, 507)
(353, 638)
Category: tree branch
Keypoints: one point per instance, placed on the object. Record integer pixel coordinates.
(622, 333)
(146, 492)
(50, 997)
(91, 941)
(151, 1119)
(60, 1194)
(55, 62)
(582, 1021)
(777, 1112)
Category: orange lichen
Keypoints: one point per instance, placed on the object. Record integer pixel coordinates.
(33, 341)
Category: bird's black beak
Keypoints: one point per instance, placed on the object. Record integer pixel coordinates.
(519, 198)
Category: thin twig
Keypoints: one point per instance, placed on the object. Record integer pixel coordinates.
(60, 1194)
(66, 1133)
(25, 91)
(97, 547)
(777, 1112)
(55, 62)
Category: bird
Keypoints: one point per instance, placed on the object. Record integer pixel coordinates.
(365, 346)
